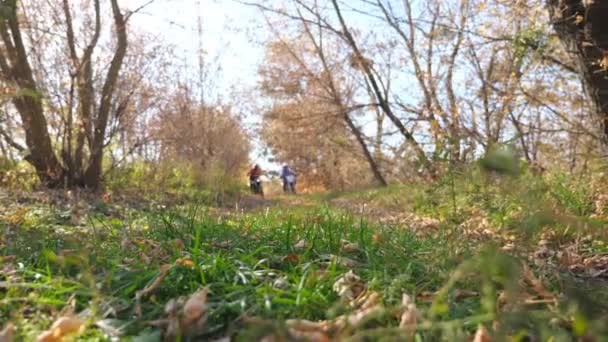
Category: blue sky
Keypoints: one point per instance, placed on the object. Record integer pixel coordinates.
(229, 33)
(227, 26)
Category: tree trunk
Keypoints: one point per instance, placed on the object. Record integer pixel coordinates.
(583, 28)
(368, 156)
(92, 177)
(16, 68)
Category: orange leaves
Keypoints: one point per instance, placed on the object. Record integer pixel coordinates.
(62, 327)
(185, 261)
(482, 335)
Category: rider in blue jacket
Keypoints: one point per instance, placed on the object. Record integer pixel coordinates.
(288, 176)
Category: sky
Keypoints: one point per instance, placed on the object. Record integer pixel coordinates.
(229, 29)
(227, 26)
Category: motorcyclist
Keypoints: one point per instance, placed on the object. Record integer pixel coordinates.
(288, 176)
(254, 179)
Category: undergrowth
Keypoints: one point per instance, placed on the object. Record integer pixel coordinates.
(498, 258)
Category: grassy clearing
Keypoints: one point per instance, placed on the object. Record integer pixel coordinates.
(477, 266)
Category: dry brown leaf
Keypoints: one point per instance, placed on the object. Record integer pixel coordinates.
(195, 308)
(536, 284)
(482, 335)
(164, 271)
(290, 258)
(569, 259)
(348, 286)
(426, 296)
(344, 261)
(308, 330)
(62, 327)
(311, 336)
(172, 324)
(349, 247)
(300, 245)
(8, 333)
(185, 261)
(464, 294)
(367, 300)
(357, 317)
(145, 258)
(378, 237)
(409, 317)
(306, 325)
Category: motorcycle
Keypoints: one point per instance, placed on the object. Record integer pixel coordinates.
(256, 186)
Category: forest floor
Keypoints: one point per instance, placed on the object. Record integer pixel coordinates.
(401, 263)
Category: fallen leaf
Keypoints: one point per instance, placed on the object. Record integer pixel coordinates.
(344, 261)
(464, 294)
(300, 245)
(186, 262)
(536, 284)
(195, 308)
(367, 300)
(482, 335)
(409, 317)
(359, 316)
(63, 326)
(172, 309)
(290, 258)
(378, 237)
(164, 271)
(8, 333)
(426, 296)
(568, 259)
(306, 325)
(281, 283)
(349, 247)
(112, 327)
(348, 286)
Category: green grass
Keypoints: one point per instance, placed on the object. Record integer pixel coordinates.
(252, 270)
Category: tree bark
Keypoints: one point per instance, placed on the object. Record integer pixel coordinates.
(15, 66)
(583, 28)
(92, 178)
